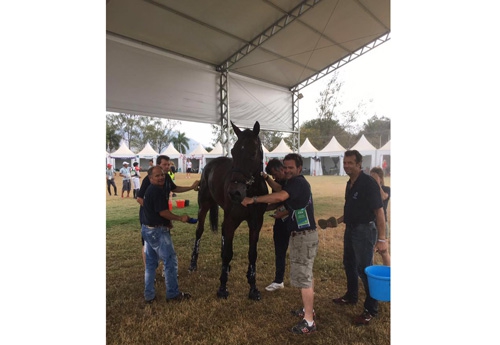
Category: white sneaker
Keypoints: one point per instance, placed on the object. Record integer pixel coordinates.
(275, 286)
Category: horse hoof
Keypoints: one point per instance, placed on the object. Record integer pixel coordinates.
(254, 295)
(222, 293)
(192, 268)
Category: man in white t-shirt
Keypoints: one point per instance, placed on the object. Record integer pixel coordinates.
(125, 173)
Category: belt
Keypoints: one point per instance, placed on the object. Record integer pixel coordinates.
(156, 226)
(301, 232)
(356, 224)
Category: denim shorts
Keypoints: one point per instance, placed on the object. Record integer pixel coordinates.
(303, 250)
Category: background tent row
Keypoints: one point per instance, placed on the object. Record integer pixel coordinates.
(327, 161)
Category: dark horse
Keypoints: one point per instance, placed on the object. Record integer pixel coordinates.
(225, 182)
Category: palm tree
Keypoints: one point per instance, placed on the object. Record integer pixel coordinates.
(181, 142)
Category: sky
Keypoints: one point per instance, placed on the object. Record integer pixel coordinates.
(366, 79)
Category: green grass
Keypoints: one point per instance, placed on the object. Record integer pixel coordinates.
(205, 319)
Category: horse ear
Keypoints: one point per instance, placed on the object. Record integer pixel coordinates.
(256, 128)
(236, 130)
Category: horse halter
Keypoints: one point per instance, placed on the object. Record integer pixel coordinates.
(249, 179)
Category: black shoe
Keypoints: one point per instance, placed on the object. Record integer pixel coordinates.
(303, 328)
(180, 297)
(344, 301)
(150, 301)
(363, 319)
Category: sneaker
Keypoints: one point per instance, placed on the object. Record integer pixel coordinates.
(303, 328)
(180, 297)
(275, 286)
(343, 301)
(300, 313)
(150, 301)
(327, 223)
(363, 319)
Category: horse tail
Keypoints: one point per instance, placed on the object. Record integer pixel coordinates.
(214, 216)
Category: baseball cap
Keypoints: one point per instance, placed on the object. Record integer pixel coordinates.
(125, 163)
(109, 165)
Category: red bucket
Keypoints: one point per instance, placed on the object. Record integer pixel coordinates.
(180, 203)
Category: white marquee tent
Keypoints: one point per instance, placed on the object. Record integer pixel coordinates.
(310, 166)
(198, 153)
(331, 158)
(216, 152)
(280, 151)
(368, 151)
(174, 155)
(171, 58)
(123, 154)
(147, 153)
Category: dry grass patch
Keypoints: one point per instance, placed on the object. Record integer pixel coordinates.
(207, 320)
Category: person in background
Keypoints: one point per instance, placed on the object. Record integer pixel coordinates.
(151, 163)
(365, 231)
(189, 168)
(297, 196)
(125, 173)
(136, 178)
(385, 192)
(156, 233)
(281, 234)
(110, 178)
(171, 173)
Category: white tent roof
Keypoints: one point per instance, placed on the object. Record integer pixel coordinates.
(198, 151)
(386, 147)
(363, 145)
(165, 58)
(280, 151)
(171, 152)
(333, 148)
(217, 150)
(122, 152)
(147, 152)
(307, 149)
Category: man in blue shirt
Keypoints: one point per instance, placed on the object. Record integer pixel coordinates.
(297, 197)
(156, 233)
(125, 173)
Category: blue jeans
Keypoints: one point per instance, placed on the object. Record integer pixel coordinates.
(359, 243)
(159, 246)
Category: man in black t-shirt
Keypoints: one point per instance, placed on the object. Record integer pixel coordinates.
(296, 194)
(364, 232)
(156, 234)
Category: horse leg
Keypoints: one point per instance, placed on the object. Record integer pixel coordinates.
(200, 228)
(254, 293)
(227, 256)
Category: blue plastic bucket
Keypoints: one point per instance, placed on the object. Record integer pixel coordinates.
(379, 282)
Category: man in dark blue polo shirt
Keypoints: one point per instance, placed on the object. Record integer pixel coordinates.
(297, 197)
(156, 233)
(365, 231)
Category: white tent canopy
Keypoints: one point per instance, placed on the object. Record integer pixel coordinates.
(280, 151)
(216, 152)
(367, 150)
(174, 155)
(331, 158)
(146, 153)
(123, 154)
(198, 153)
(311, 166)
(168, 58)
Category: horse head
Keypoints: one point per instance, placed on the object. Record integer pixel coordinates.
(247, 161)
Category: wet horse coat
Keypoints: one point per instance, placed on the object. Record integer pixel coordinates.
(225, 182)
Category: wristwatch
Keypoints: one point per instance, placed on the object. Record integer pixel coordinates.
(254, 199)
